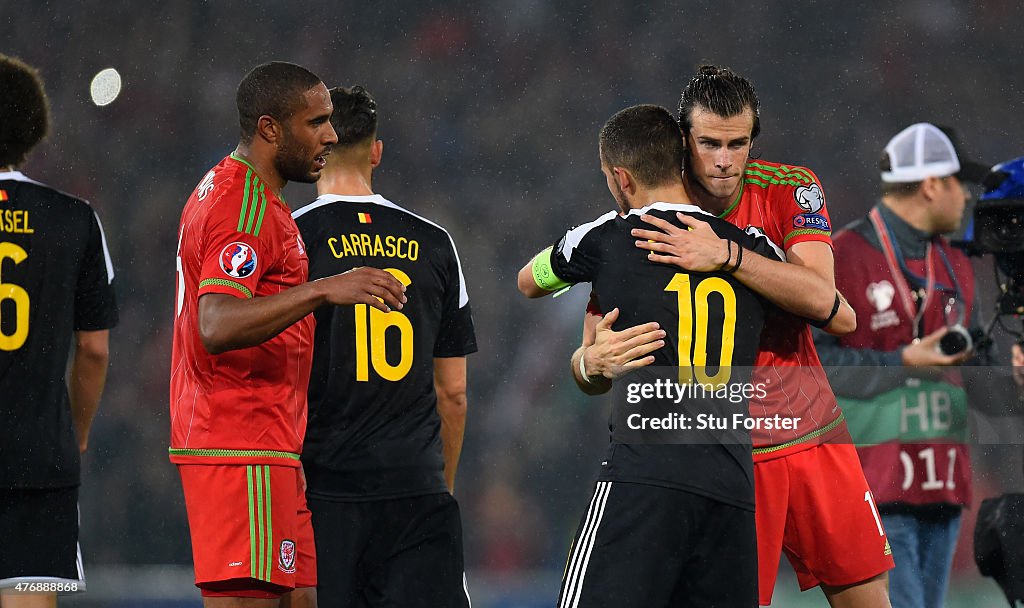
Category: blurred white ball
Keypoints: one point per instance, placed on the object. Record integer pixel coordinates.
(105, 86)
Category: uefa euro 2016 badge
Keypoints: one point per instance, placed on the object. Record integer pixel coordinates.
(286, 557)
(238, 260)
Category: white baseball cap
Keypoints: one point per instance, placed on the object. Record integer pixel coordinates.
(923, 150)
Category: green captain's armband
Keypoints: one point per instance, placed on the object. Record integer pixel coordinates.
(544, 275)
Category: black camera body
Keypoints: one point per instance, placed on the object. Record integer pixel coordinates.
(997, 228)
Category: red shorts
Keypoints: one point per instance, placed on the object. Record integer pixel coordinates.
(815, 506)
(252, 535)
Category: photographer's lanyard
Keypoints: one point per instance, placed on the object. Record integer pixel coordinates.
(899, 271)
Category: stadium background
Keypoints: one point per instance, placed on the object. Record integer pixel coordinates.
(490, 112)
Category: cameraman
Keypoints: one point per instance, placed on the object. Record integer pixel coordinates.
(914, 297)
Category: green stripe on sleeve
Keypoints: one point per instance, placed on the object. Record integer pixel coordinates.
(806, 231)
(784, 171)
(775, 178)
(263, 209)
(253, 203)
(802, 172)
(245, 200)
(225, 283)
(219, 453)
(809, 436)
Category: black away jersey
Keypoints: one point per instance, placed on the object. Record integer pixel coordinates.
(55, 278)
(373, 429)
(713, 325)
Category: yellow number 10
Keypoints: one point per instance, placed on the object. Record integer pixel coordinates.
(10, 291)
(371, 327)
(693, 340)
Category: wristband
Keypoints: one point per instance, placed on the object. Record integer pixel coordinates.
(739, 258)
(832, 315)
(583, 368)
(543, 275)
(728, 256)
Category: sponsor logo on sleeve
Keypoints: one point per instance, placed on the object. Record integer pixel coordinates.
(238, 260)
(810, 198)
(812, 220)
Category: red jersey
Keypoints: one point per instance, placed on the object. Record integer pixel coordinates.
(248, 405)
(787, 204)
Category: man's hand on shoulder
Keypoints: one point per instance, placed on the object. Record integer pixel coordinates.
(695, 247)
(364, 285)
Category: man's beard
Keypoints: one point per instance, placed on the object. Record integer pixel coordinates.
(292, 163)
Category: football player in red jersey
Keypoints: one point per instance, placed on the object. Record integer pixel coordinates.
(813, 502)
(243, 338)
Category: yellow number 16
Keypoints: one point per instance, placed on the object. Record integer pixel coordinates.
(371, 327)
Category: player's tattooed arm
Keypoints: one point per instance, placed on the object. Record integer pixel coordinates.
(804, 285)
(229, 323)
(86, 380)
(450, 386)
(607, 354)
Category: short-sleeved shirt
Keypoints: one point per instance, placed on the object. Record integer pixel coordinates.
(787, 204)
(374, 431)
(56, 278)
(721, 325)
(244, 406)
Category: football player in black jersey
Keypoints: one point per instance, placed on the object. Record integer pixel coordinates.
(387, 394)
(671, 522)
(56, 290)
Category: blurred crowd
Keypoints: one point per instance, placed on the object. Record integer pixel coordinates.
(489, 116)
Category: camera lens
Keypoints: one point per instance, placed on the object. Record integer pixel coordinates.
(956, 341)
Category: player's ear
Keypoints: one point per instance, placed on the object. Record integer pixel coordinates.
(268, 129)
(624, 179)
(376, 152)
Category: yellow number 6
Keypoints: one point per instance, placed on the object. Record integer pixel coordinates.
(10, 291)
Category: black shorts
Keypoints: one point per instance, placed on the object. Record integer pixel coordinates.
(399, 552)
(644, 545)
(39, 540)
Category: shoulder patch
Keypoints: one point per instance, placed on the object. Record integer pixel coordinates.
(238, 260)
(810, 198)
